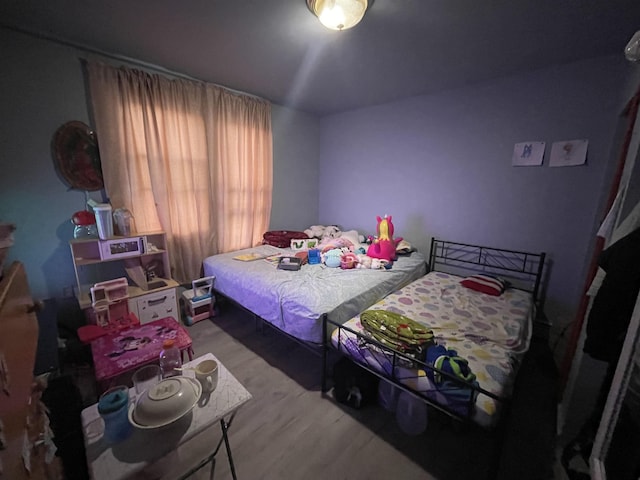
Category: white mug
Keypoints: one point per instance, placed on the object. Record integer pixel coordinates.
(207, 375)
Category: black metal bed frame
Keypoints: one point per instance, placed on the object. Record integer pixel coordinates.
(523, 270)
(315, 348)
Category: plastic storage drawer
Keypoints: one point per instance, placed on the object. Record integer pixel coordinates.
(154, 306)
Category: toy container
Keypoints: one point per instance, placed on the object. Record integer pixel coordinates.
(104, 220)
(388, 395)
(411, 414)
(113, 408)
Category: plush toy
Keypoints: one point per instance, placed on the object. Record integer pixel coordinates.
(384, 245)
(348, 260)
(331, 232)
(379, 263)
(365, 261)
(322, 232)
(332, 258)
(315, 231)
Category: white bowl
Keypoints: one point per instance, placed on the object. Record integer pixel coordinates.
(165, 402)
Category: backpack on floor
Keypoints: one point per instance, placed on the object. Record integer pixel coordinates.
(353, 385)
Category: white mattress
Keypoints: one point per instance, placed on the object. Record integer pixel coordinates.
(294, 301)
(491, 333)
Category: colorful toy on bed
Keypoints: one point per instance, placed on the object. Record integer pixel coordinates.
(364, 261)
(384, 245)
(313, 256)
(331, 258)
(304, 244)
(348, 261)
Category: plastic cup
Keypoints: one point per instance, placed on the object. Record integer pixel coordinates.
(104, 220)
(146, 377)
(113, 407)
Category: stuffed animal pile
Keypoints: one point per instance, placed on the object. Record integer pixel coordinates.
(346, 249)
(321, 232)
(365, 261)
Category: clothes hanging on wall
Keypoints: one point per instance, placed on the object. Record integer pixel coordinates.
(607, 326)
(613, 304)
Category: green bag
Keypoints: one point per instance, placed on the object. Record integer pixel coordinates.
(398, 332)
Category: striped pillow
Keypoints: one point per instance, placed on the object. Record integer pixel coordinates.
(485, 284)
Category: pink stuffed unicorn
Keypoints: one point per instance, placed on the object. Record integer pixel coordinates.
(384, 246)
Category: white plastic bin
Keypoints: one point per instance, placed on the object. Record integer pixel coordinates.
(104, 220)
(388, 395)
(411, 414)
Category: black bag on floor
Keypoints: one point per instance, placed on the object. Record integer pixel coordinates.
(64, 401)
(353, 385)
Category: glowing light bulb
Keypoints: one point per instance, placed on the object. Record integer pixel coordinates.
(338, 14)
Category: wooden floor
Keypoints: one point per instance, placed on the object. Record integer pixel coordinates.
(289, 430)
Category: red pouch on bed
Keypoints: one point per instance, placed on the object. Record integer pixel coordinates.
(281, 238)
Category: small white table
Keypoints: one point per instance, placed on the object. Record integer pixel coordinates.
(172, 451)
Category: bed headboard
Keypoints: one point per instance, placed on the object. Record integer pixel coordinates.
(522, 269)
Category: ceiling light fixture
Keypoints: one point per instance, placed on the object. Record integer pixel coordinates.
(338, 14)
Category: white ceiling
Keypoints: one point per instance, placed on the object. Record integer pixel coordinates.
(278, 50)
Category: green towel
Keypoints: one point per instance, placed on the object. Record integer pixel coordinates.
(398, 332)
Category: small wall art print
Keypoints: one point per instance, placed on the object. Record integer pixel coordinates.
(569, 153)
(528, 154)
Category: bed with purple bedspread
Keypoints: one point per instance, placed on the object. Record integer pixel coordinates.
(296, 301)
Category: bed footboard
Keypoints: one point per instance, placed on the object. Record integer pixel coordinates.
(456, 399)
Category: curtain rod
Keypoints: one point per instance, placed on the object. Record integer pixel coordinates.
(115, 56)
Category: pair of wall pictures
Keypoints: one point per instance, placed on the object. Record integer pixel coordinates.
(567, 153)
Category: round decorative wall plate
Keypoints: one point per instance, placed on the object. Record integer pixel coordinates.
(76, 156)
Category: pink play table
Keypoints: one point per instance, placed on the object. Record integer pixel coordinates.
(120, 352)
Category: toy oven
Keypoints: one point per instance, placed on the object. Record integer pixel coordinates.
(115, 248)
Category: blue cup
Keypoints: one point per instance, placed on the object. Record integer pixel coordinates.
(113, 408)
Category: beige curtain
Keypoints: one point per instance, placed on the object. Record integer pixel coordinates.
(189, 158)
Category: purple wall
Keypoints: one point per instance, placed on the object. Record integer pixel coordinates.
(441, 165)
(295, 187)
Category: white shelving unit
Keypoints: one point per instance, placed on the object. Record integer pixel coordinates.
(97, 261)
